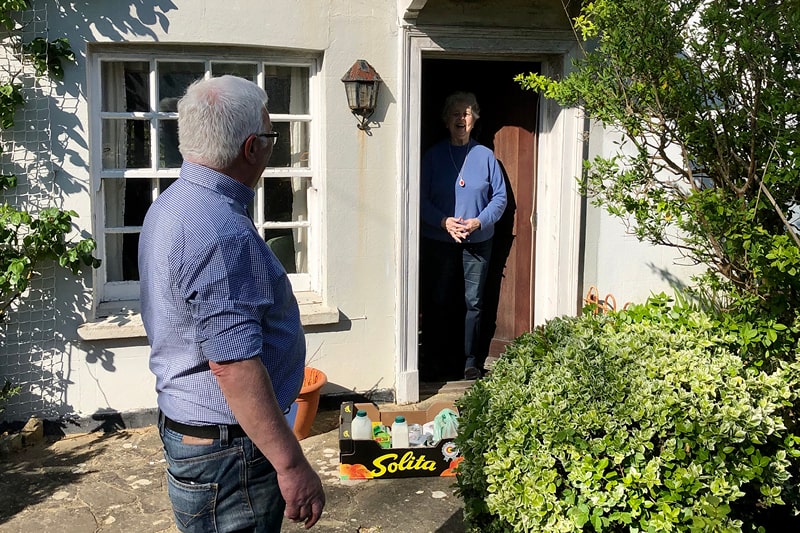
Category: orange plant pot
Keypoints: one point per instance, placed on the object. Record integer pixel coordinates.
(308, 401)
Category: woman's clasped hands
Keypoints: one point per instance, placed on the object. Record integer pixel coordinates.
(458, 228)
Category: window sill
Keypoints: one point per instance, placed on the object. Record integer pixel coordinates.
(122, 320)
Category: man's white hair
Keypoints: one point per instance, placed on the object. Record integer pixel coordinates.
(216, 116)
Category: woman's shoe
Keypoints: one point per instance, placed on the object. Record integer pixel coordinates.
(471, 373)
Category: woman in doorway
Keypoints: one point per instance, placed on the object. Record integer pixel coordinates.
(463, 195)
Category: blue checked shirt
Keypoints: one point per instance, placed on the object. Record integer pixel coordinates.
(212, 290)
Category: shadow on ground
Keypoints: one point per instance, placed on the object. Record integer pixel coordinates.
(36, 474)
(454, 524)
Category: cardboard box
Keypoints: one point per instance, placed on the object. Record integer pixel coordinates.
(365, 459)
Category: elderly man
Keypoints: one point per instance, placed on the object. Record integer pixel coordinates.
(227, 347)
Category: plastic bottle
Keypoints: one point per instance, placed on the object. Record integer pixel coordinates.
(400, 433)
(361, 427)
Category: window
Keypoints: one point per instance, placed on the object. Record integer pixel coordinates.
(135, 155)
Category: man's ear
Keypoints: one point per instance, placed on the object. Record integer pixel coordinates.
(249, 148)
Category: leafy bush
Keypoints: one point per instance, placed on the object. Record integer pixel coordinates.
(764, 334)
(6, 392)
(642, 420)
(706, 96)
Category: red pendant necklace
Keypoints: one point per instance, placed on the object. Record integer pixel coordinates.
(461, 181)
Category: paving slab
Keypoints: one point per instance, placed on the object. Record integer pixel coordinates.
(87, 482)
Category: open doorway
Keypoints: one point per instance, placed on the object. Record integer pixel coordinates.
(509, 126)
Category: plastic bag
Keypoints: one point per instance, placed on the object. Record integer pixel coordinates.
(427, 432)
(445, 425)
(416, 437)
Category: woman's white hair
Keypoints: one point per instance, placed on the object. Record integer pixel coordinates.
(216, 116)
(462, 98)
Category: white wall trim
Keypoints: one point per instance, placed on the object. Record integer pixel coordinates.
(409, 9)
(558, 233)
(407, 381)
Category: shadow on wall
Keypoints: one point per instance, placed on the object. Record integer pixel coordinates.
(36, 339)
(35, 354)
(114, 25)
(672, 280)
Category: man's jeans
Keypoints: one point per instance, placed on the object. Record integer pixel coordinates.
(222, 486)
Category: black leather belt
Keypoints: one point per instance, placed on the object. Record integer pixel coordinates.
(235, 431)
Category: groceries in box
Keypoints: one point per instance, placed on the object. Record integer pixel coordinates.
(430, 450)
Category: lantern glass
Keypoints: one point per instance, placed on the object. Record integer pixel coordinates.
(351, 90)
(362, 95)
(368, 95)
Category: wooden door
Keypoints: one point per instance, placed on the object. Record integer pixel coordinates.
(510, 288)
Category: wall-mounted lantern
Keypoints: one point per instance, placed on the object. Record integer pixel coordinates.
(361, 85)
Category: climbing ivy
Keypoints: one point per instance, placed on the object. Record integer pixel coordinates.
(29, 238)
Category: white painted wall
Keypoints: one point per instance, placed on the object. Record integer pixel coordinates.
(615, 261)
(365, 183)
(358, 181)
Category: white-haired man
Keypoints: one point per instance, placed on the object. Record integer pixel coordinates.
(227, 347)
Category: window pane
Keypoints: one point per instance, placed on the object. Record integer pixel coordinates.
(287, 88)
(169, 155)
(163, 183)
(291, 148)
(126, 86)
(290, 246)
(138, 197)
(126, 143)
(243, 70)
(114, 193)
(285, 199)
(175, 77)
(127, 201)
(121, 257)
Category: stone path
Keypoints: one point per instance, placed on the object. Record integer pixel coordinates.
(87, 482)
(115, 483)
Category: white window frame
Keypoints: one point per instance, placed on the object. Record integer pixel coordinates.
(125, 294)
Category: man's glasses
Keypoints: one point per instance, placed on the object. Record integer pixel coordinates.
(271, 135)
